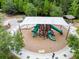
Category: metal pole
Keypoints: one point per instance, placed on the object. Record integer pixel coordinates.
(67, 33)
(19, 28)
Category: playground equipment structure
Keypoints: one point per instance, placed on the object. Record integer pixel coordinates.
(46, 30)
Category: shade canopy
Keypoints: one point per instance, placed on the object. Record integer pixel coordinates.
(44, 20)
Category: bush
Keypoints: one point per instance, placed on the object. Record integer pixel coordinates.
(55, 10)
(39, 6)
(19, 5)
(76, 54)
(29, 9)
(17, 42)
(0, 5)
(46, 7)
(8, 42)
(73, 42)
(74, 9)
(5, 38)
(9, 7)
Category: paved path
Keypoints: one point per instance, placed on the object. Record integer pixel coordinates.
(58, 54)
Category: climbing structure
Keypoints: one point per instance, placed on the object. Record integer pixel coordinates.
(46, 31)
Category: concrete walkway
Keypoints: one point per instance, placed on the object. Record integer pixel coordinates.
(62, 54)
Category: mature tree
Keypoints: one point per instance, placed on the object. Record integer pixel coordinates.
(0, 3)
(19, 5)
(55, 10)
(46, 7)
(74, 9)
(39, 6)
(29, 9)
(9, 7)
(63, 4)
(38, 2)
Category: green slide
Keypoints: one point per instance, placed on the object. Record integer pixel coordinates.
(50, 36)
(35, 30)
(55, 28)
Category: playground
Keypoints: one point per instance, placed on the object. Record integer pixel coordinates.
(36, 44)
(39, 29)
(44, 38)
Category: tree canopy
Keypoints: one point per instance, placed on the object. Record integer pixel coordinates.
(74, 9)
(41, 7)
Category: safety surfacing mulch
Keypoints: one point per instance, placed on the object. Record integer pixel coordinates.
(36, 44)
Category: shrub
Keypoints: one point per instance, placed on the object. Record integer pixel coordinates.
(55, 10)
(9, 7)
(7, 42)
(0, 5)
(76, 54)
(29, 9)
(17, 42)
(46, 7)
(19, 5)
(39, 6)
(5, 38)
(74, 9)
(73, 42)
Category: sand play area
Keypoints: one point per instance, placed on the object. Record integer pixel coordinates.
(38, 44)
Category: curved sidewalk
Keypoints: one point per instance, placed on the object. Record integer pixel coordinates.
(64, 53)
